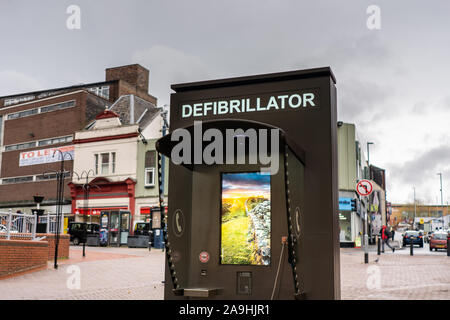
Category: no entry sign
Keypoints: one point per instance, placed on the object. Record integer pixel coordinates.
(364, 187)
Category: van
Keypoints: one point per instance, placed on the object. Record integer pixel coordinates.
(78, 230)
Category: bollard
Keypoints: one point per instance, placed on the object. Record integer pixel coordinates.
(84, 243)
(448, 247)
(366, 249)
(378, 246)
(411, 250)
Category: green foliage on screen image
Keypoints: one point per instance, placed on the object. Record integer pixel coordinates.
(238, 239)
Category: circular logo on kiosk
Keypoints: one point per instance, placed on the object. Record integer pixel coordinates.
(204, 257)
(178, 223)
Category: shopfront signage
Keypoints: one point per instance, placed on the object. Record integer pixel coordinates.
(30, 158)
(345, 204)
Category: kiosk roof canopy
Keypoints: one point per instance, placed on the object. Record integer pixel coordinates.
(229, 82)
(165, 144)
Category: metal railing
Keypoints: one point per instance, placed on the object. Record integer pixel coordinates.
(17, 225)
(51, 219)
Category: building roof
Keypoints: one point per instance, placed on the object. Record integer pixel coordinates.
(140, 112)
(107, 114)
(74, 87)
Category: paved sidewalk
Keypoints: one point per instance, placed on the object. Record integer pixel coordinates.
(395, 276)
(131, 273)
(105, 273)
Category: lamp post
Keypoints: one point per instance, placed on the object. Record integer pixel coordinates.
(86, 188)
(366, 237)
(368, 153)
(161, 177)
(414, 220)
(442, 201)
(60, 175)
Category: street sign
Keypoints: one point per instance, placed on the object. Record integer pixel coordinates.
(421, 221)
(364, 187)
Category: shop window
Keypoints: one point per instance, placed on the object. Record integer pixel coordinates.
(345, 226)
(113, 162)
(12, 101)
(17, 180)
(149, 177)
(150, 163)
(105, 163)
(96, 163)
(58, 106)
(20, 146)
(100, 91)
(60, 140)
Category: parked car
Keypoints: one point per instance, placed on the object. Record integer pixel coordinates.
(428, 237)
(438, 241)
(4, 229)
(414, 236)
(142, 228)
(77, 231)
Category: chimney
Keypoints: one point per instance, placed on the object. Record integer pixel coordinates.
(134, 74)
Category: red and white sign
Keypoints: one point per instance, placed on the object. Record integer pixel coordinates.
(29, 158)
(204, 257)
(364, 187)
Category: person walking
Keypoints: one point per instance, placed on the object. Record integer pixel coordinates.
(385, 235)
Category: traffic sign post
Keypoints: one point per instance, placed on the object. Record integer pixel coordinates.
(364, 189)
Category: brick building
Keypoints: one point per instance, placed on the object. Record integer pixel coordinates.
(33, 124)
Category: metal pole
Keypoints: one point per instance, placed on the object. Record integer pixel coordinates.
(34, 226)
(86, 207)
(366, 248)
(411, 248)
(48, 222)
(8, 227)
(58, 208)
(414, 206)
(448, 245)
(442, 203)
(378, 245)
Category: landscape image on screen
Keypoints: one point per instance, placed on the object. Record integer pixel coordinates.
(245, 218)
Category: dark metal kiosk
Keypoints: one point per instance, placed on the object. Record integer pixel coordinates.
(252, 210)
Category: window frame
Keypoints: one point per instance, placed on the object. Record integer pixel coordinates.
(146, 182)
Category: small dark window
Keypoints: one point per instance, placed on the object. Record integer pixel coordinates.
(150, 159)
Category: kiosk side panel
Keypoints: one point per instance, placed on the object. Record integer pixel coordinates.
(178, 228)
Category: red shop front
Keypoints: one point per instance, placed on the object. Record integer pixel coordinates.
(109, 203)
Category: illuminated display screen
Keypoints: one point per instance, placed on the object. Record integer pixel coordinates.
(245, 219)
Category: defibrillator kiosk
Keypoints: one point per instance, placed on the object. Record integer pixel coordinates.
(253, 197)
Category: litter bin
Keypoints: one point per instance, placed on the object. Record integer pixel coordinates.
(158, 239)
(93, 240)
(138, 241)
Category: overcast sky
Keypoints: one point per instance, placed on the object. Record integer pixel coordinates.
(392, 82)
